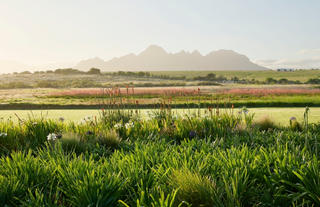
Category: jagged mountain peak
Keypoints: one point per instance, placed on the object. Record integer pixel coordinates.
(153, 50)
(156, 58)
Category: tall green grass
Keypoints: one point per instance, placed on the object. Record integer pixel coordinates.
(217, 160)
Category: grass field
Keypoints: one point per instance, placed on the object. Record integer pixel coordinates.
(151, 97)
(156, 79)
(301, 75)
(278, 115)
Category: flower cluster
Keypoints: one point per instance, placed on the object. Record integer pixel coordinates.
(129, 125)
(3, 134)
(52, 137)
(117, 126)
(243, 110)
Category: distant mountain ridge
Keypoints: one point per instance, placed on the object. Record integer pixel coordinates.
(156, 58)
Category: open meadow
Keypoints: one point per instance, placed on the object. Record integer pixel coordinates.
(300, 75)
(152, 97)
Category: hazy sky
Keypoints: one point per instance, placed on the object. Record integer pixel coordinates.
(270, 32)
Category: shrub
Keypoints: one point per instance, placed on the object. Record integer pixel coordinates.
(23, 172)
(39, 198)
(195, 189)
(68, 71)
(238, 187)
(309, 183)
(94, 71)
(47, 84)
(15, 85)
(265, 124)
(295, 125)
(86, 184)
(11, 191)
(112, 117)
(313, 81)
(73, 142)
(109, 139)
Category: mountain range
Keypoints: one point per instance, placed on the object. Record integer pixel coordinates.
(156, 58)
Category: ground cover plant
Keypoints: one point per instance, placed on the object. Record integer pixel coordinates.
(119, 159)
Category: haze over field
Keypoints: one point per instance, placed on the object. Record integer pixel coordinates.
(46, 34)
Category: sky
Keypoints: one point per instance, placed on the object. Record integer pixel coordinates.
(59, 33)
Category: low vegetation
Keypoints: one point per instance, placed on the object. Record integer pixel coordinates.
(224, 158)
(151, 98)
(73, 78)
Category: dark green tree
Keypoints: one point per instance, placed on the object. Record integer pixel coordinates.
(95, 71)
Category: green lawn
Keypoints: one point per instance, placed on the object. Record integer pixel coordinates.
(279, 115)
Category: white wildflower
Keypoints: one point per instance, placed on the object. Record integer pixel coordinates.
(117, 126)
(3, 134)
(129, 125)
(52, 137)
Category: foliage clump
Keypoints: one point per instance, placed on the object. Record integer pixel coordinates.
(266, 123)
